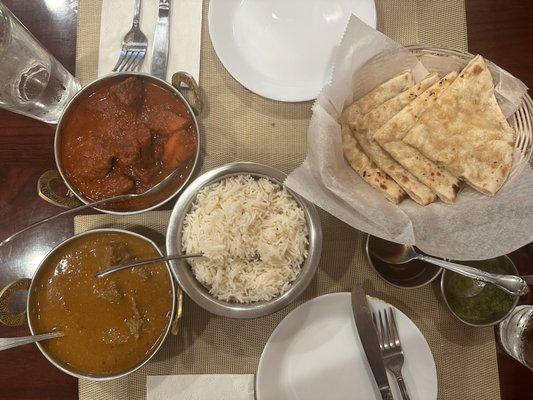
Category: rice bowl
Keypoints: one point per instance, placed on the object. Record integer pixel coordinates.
(199, 292)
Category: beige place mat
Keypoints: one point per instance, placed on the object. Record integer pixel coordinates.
(465, 357)
(238, 125)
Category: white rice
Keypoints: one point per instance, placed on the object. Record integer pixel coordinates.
(254, 236)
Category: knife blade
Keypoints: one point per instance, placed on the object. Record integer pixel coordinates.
(158, 67)
(369, 340)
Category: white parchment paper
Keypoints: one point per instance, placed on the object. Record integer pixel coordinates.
(475, 227)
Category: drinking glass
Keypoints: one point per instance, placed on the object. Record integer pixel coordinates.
(516, 335)
(32, 81)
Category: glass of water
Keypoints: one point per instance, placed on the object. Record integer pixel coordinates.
(516, 335)
(32, 81)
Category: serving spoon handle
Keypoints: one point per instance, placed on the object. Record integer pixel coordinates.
(8, 343)
(120, 267)
(67, 212)
(121, 197)
(511, 284)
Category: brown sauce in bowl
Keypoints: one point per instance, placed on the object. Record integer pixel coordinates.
(110, 324)
(125, 137)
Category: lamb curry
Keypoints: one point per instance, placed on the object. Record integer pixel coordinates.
(125, 137)
(110, 324)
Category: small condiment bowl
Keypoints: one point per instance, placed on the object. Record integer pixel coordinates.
(183, 273)
(511, 270)
(411, 275)
(10, 319)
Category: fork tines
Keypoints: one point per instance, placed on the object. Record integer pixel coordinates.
(387, 329)
(129, 60)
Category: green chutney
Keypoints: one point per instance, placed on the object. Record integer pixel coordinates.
(477, 302)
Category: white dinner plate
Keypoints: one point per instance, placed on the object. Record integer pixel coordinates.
(282, 49)
(315, 354)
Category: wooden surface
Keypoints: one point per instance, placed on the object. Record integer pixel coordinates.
(500, 30)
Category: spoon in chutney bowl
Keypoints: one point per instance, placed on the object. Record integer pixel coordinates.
(401, 254)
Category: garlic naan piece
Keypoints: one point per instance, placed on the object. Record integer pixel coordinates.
(367, 169)
(466, 132)
(378, 95)
(390, 136)
(366, 125)
(352, 150)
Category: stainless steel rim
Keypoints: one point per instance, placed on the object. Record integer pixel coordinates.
(89, 88)
(369, 259)
(517, 298)
(182, 271)
(62, 367)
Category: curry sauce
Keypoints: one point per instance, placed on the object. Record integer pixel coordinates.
(110, 324)
(126, 137)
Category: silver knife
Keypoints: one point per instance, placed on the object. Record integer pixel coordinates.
(369, 339)
(161, 40)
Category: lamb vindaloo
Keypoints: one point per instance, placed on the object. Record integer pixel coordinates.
(125, 138)
(110, 324)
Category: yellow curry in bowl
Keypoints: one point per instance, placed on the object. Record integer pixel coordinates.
(111, 325)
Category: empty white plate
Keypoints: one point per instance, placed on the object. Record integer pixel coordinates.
(315, 353)
(281, 49)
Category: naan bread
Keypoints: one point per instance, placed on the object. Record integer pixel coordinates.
(397, 126)
(353, 153)
(380, 115)
(373, 120)
(379, 95)
(408, 182)
(389, 137)
(466, 132)
(367, 169)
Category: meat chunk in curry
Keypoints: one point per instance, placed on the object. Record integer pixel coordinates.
(125, 138)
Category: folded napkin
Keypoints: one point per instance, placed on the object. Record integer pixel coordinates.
(200, 387)
(185, 34)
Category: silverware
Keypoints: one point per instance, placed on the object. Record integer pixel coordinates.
(391, 347)
(122, 197)
(161, 40)
(8, 343)
(134, 45)
(511, 284)
(120, 267)
(369, 339)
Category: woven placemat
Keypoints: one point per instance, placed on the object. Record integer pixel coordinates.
(240, 126)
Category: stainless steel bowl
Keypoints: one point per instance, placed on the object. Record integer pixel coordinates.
(195, 289)
(393, 274)
(168, 192)
(67, 369)
(512, 269)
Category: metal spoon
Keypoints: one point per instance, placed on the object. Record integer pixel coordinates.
(511, 284)
(122, 197)
(8, 343)
(120, 267)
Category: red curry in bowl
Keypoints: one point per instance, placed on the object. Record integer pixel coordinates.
(125, 137)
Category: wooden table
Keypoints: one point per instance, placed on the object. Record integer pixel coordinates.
(500, 30)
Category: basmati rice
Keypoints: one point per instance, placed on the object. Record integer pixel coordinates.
(254, 237)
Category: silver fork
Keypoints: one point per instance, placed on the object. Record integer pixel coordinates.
(391, 347)
(134, 45)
